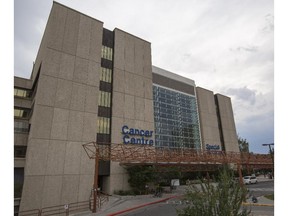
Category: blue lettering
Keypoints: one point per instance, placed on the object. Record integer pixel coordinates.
(125, 129)
(212, 147)
(126, 139)
(129, 133)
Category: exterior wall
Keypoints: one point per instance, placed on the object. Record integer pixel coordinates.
(57, 169)
(208, 118)
(132, 97)
(227, 123)
(65, 81)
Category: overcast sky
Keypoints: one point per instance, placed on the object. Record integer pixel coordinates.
(224, 45)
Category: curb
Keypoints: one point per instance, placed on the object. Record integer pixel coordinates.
(257, 204)
(143, 205)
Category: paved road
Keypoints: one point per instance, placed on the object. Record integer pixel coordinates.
(261, 188)
(170, 207)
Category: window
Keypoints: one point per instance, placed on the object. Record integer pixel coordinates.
(21, 113)
(103, 126)
(21, 126)
(107, 53)
(106, 75)
(104, 99)
(22, 93)
(20, 151)
(176, 119)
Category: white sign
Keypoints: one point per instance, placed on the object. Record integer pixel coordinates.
(66, 206)
(175, 182)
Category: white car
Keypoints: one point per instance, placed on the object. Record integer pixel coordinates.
(250, 180)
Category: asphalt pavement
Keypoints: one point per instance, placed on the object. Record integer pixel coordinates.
(118, 205)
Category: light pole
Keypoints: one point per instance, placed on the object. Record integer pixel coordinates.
(272, 155)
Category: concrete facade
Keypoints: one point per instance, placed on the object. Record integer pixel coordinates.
(65, 89)
(208, 118)
(226, 119)
(64, 110)
(132, 97)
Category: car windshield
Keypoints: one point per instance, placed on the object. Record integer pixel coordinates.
(246, 177)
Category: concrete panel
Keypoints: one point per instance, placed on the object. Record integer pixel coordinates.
(129, 106)
(147, 61)
(20, 139)
(60, 124)
(55, 157)
(228, 123)
(81, 70)
(118, 102)
(89, 127)
(41, 122)
(70, 186)
(93, 73)
(148, 88)
(37, 151)
(63, 94)
(139, 56)
(119, 49)
(67, 66)
(118, 178)
(55, 27)
(46, 90)
(116, 135)
(52, 191)
(51, 63)
(118, 80)
(71, 32)
(22, 82)
(87, 165)
(19, 162)
(83, 46)
(139, 86)
(149, 110)
(130, 80)
(78, 97)
(130, 123)
(129, 53)
(139, 109)
(73, 157)
(32, 193)
(85, 186)
(20, 102)
(75, 126)
(91, 100)
(96, 41)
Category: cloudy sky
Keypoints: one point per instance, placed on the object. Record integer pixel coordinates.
(224, 45)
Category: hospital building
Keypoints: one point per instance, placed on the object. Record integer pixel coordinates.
(89, 83)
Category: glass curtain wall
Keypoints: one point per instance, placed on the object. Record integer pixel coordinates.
(176, 119)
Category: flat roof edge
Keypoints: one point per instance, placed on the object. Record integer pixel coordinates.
(172, 75)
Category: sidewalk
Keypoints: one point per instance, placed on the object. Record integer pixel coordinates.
(121, 204)
(262, 201)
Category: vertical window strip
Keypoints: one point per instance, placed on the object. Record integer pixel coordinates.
(106, 75)
(107, 53)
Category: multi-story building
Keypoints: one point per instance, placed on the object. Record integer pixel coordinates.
(92, 84)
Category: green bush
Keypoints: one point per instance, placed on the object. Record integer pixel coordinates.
(221, 199)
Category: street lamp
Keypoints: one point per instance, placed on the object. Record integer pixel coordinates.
(272, 155)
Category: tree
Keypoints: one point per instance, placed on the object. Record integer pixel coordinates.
(220, 199)
(139, 176)
(243, 145)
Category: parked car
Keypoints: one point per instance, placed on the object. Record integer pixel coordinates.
(250, 180)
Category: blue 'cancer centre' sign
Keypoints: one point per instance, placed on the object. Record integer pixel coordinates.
(137, 136)
(212, 147)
